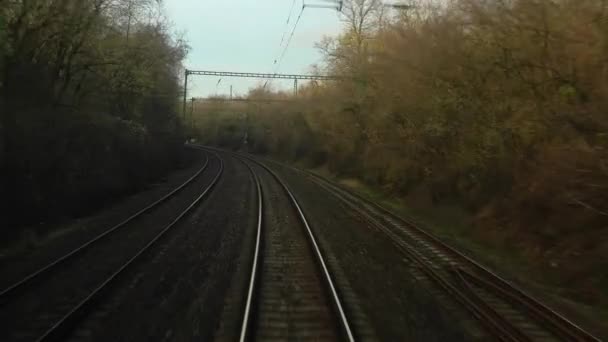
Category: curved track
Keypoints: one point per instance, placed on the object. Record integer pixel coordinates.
(507, 312)
(49, 303)
(28, 280)
(291, 294)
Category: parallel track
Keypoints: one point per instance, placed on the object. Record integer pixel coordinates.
(71, 312)
(262, 297)
(28, 280)
(507, 312)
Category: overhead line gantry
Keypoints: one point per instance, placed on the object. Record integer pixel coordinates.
(294, 77)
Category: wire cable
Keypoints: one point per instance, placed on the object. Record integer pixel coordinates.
(280, 61)
(276, 60)
(293, 3)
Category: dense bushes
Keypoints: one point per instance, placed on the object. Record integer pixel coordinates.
(88, 93)
(499, 106)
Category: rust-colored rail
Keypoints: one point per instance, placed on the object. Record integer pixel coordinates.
(555, 323)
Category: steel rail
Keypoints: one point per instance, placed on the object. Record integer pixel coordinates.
(21, 284)
(512, 297)
(330, 283)
(555, 323)
(337, 303)
(62, 327)
(502, 324)
(256, 256)
(487, 316)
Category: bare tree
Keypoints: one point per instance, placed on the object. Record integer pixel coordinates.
(359, 17)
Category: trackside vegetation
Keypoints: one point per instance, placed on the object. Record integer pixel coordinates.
(497, 108)
(88, 92)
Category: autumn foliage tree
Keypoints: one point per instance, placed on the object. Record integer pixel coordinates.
(497, 106)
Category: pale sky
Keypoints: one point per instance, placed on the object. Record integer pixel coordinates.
(244, 36)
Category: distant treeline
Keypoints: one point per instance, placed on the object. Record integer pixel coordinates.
(498, 106)
(88, 92)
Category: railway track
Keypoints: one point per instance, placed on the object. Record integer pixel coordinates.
(506, 312)
(291, 293)
(47, 305)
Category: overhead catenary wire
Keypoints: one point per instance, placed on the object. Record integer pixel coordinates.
(338, 6)
(277, 62)
(293, 3)
(284, 34)
(280, 61)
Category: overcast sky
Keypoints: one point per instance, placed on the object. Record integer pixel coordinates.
(244, 35)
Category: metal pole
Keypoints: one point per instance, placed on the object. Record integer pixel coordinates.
(295, 87)
(192, 113)
(186, 72)
(231, 92)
